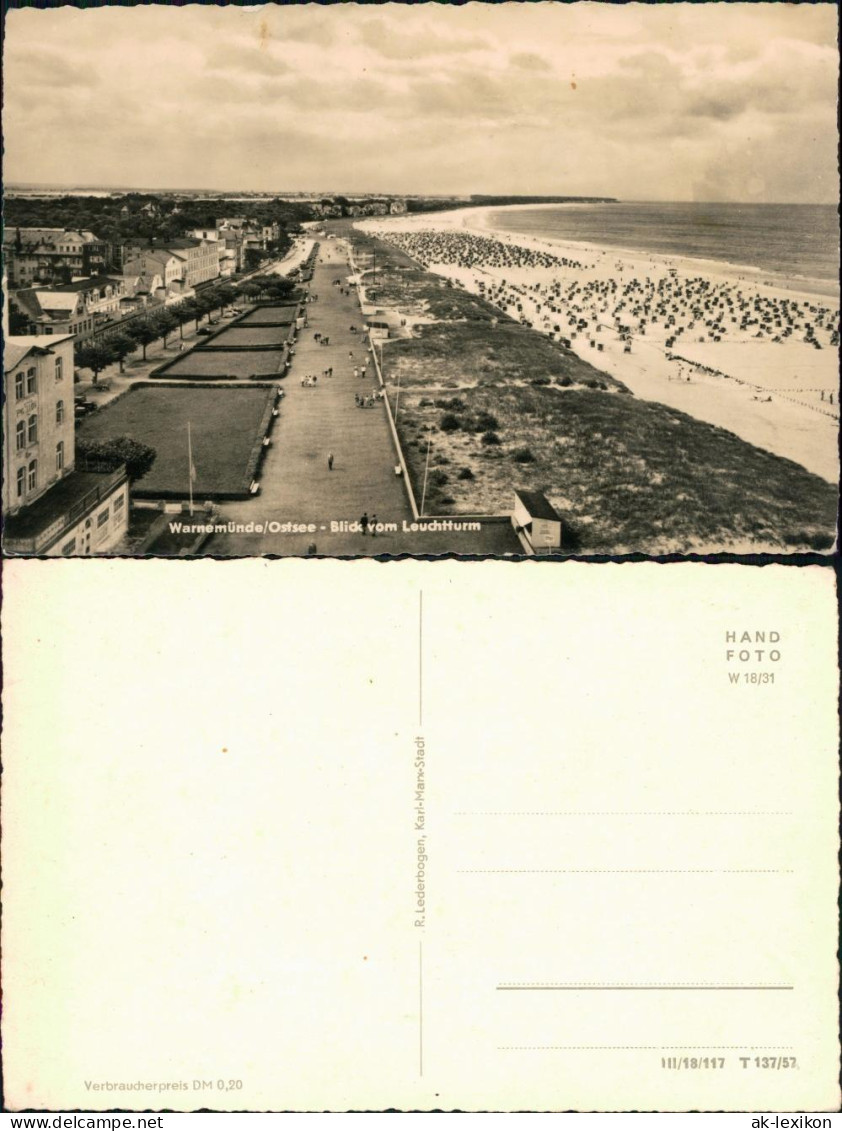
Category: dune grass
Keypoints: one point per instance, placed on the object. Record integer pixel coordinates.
(626, 475)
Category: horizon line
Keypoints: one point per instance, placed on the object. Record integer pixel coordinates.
(10, 186)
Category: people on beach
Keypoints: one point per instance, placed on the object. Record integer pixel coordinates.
(565, 303)
(364, 523)
(330, 461)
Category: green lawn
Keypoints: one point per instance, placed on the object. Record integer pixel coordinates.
(220, 363)
(248, 336)
(224, 426)
(269, 315)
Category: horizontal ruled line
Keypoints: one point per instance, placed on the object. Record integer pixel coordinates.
(622, 813)
(643, 986)
(628, 871)
(647, 1048)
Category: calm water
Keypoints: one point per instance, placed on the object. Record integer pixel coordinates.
(795, 240)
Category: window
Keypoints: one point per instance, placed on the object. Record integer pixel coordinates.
(32, 429)
(102, 517)
(118, 503)
(21, 482)
(69, 547)
(20, 436)
(60, 455)
(31, 382)
(59, 412)
(18, 386)
(33, 474)
(59, 368)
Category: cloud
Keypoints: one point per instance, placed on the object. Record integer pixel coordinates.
(322, 35)
(382, 38)
(529, 61)
(45, 68)
(246, 60)
(474, 97)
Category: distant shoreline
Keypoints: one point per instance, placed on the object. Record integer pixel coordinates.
(477, 220)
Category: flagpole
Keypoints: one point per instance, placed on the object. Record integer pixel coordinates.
(190, 466)
(426, 468)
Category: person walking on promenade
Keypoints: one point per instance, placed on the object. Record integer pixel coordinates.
(364, 523)
(330, 461)
(373, 526)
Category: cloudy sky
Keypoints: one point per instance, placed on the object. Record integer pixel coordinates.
(669, 102)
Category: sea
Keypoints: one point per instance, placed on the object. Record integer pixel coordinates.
(797, 241)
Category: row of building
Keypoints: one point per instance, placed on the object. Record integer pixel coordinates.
(53, 503)
(69, 282)
(328, 207)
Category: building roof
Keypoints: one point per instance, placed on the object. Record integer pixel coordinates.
(13, 354)
(16, 348)
(538, 505)
(47, 235)
(10, 235)
(35, 301)
(58, 300)
(185, 242)
(75, 488)
(87, 283)
(27, 301)
(162, 254)
(389, 317)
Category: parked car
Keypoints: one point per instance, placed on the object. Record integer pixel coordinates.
(204, 330)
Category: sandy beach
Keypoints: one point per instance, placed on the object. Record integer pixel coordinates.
(742, 350)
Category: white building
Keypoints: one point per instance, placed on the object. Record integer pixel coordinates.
(50, 506)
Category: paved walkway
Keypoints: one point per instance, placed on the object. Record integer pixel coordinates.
(296, 484)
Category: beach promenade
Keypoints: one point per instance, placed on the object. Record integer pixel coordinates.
(296, 484)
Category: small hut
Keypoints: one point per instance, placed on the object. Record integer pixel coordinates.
(384, 324)
(537, 521)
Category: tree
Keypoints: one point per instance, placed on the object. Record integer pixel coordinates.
(18, 321)
(144, 333)
(190, 310)
(108, 455)
(165, 323)
(182, 313)
(254, 257)
(210, 300)
(94, 356)
(224, 295)
(121, 346)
